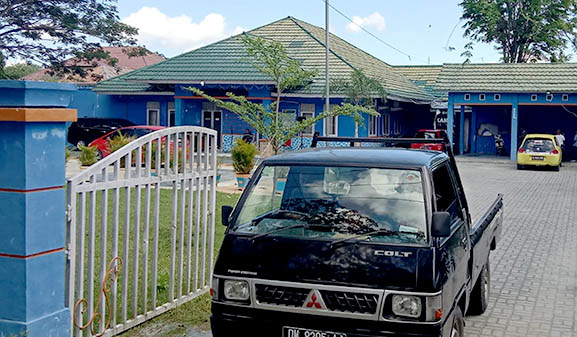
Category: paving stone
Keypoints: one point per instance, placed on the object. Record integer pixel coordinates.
(534, 269)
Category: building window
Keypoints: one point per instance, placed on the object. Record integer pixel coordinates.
(481, 97)
(308, 111)
(153, 113)
(549, 97)
(288, 117)
(386, 123)
(373, 125)
(331, 124)
(565, 97)
(497, 97)
(397, 127)
(170, 117)
(533, 98)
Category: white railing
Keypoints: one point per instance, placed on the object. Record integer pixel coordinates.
(141, 230)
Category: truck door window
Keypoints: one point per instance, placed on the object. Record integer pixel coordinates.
(445, 193)
(267, 194)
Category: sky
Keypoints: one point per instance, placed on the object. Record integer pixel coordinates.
(422, 31)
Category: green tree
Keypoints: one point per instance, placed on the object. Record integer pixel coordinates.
(50, 31)
(271, 58)
(360, 90)
(523, 30)
(19, 70)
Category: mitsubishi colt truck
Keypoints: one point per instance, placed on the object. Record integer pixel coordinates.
(354, 241)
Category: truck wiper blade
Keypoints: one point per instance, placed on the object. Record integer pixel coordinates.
(278, 212)
(382, 232)
(302, 225)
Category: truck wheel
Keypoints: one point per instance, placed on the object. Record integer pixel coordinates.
(520, 167)
(480, 293)
(458, 329)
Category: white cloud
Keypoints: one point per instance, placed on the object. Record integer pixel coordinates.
(159, 32)
(375, 20)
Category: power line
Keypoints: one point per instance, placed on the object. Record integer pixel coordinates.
(369, 32)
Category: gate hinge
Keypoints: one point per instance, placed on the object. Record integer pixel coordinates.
(68, 212)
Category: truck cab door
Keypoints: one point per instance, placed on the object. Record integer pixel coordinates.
(453, 250)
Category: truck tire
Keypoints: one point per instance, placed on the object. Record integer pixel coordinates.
(480, 293)
(520, 167)
(458, 326)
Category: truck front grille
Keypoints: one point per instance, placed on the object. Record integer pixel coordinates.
(351, 302)
(286, 296)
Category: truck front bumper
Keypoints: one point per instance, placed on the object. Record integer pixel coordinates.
(231, 321)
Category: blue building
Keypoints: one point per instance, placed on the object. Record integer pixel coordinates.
(508, 100)
(158, 94)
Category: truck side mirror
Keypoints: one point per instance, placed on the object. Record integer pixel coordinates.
(441, 225)
(226, 212)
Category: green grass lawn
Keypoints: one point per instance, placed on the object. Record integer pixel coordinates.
(176, 321)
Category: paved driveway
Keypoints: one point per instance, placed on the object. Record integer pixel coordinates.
(534, 270)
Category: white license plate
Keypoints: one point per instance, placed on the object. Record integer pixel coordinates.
(537, 158)
(299, 332)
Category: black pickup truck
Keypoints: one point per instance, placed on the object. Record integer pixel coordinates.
(353, 241)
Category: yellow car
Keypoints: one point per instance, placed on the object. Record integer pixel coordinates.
(539, 150)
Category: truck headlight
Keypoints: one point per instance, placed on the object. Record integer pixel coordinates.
(407, 306)
(236, 290)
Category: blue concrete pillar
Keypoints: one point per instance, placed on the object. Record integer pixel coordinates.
(178, 112)
(450, 119)
(473, 132)
(32, 208)
(514, 126)
(462, 130)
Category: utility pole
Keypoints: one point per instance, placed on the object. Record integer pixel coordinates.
(327, 88)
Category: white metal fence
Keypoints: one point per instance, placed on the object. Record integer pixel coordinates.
(141, 230)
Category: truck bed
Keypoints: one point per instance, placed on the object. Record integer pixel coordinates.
(486, 230)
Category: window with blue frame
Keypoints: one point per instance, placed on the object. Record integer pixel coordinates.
(386, 117)
(331, 124)
(308, 111)
(153, 113)
(373, 125)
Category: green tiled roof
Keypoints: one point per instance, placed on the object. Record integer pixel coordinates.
(425, 77)
(525, 77)
(119, 84)
(227, 62)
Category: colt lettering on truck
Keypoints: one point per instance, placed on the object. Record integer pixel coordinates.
(359, 241)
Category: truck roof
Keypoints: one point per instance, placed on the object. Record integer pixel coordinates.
(362, 156)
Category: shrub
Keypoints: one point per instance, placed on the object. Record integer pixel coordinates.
(242, 155)
(88, 155)
(116, 142)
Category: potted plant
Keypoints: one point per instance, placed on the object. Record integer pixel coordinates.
(242, 155)
(88, 155)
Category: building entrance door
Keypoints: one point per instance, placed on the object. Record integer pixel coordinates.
(212, 119)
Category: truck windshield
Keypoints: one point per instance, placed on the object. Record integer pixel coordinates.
(334, 203)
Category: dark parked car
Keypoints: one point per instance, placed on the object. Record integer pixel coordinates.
(354, 242)
(85, 130)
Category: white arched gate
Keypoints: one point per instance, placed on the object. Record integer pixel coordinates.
(141, 230)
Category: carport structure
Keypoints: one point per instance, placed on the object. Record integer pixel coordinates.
(508, 100)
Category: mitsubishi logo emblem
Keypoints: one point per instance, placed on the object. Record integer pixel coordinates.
(314, 300)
